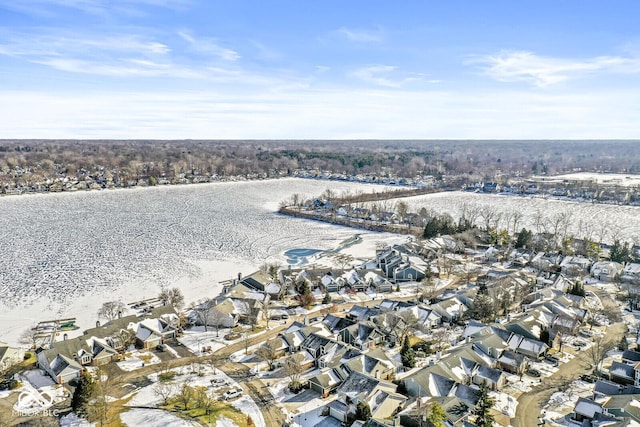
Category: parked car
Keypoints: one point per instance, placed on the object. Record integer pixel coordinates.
(534, 373)
(219, 382)
(160, 347)
(232, 394)
(589, 378)
(586, 333)
(553, 360)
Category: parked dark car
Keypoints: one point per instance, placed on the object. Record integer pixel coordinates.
(534, 373)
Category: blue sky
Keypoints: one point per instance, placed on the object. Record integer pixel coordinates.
(271, 69)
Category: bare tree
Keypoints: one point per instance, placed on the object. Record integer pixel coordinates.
(103, 407)
(172, 296)
(204, 400)
(246, 339)
(217, 317)
(30, 337)
(488, 214)
(269, 352)
(401, 209)
(165, 390)
(111, 310)
(516, 218)
(185, 395)
(294, 368)
(203, 310)
(596, 353)
(403, 324)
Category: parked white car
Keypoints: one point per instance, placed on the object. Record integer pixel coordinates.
(232, 394)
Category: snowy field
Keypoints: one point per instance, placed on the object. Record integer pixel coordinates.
(585, 217)
(64, 254)
(602, 178)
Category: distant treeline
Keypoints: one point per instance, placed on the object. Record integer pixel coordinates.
(29, 163)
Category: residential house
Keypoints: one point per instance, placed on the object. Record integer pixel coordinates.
(9, 356)
(65, 359)
(153, 331)
(380, 395)
(607, 270)
(631, 356)
(495, 379)
(335, 323)
(377, 281)
(513, 362)
(375, 365)
(575, 265)
(360, 313)
(626, 406)
(631, 273)
(450, 310)
(456, 411)
(330, 283)
(427, 317)
(327, 381)
(295, 335)
(352, 279)
(257, 281)
(362, 335)
(586, 410)
(622, 373)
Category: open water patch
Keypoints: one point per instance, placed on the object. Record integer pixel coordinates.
(300, 256)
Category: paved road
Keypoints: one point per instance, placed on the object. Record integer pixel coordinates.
(530, 404)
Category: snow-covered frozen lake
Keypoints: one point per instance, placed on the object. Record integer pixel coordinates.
(538, 214)
(64, 254)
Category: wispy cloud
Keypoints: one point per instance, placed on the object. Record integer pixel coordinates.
(385, 75)
(304, 113)
(91, 7)
(23, 44)
(209, 46)
(361, 36)
(514, 66)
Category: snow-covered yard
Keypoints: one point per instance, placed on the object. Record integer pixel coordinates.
(153, 418)
(195, 375)
(137, 359)
(38, 393)
(196, 339)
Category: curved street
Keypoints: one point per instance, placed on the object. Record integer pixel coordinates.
(530, 404)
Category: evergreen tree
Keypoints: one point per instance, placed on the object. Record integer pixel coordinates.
(545, 336)
(436, 415)
(623, 345)
(82, 395)
(483, 407)
(432, 229)
(363, 411)
(327, 298)
(620, 252)
(524, 238)
(484, 308)
(407, 355)
(577, 289)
